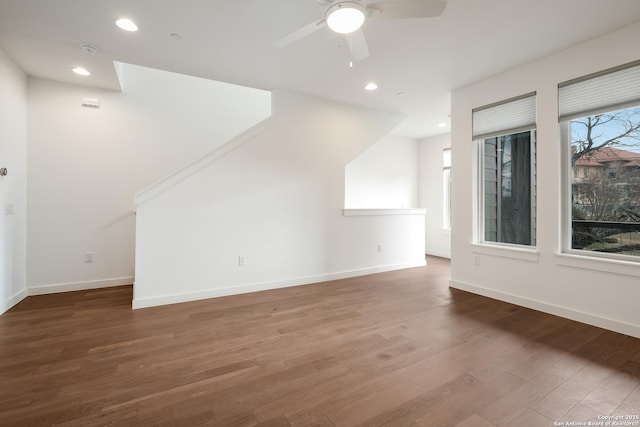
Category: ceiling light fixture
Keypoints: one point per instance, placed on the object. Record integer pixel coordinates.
(442, 125)
(81, 71)
(126, 24)
(345, 17)
(371, 86)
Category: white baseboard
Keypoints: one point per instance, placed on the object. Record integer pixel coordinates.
(10, 302)
(438, 254)
(264, 286)
(79, 286)
(568, 313)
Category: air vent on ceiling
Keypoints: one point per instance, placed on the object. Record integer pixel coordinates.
(90, 103)
(88, 49)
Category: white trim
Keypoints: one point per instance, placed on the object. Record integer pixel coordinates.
(372, 212)
(568, 313)
(263, 286)
(522, 253)
(79, 286)
(595, 263)
(565, 231)
(439, 254)
(11, 301)
(159, 187)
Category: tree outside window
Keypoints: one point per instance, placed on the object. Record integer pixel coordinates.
(605, 214)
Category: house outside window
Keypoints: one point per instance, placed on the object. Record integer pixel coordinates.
(506, 137)
(600, 122)
(509, 177)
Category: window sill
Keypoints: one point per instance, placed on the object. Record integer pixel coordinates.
(373, 212)
(513, 252)
(615, 266)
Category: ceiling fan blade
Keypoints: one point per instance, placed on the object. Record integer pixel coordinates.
(300, 33)
(406, 9)
(358, 45)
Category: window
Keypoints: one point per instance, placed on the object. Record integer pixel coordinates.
(600, 122)
(507, 183)
(446, 188)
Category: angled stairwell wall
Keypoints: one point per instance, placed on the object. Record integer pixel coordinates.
(272, 200)
(86, 164)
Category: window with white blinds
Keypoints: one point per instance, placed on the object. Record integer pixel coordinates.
(506, 117)
(608, 90)
(506, 134)
(599, 117)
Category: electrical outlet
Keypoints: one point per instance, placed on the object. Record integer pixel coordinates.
(88, 257)
(380, 248)
(476, 260)
(242, 260)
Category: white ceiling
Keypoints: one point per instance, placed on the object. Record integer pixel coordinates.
(232, 41)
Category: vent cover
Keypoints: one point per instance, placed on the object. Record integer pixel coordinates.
(90, 103)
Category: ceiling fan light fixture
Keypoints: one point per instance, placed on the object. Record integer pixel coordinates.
(345, 17)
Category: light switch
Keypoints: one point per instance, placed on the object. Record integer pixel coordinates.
(9, 209)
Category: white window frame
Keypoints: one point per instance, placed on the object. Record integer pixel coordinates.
(605, 91)
(507, 117)
(480, 226)
(567, 205)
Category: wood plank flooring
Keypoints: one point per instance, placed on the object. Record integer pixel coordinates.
(392, 349)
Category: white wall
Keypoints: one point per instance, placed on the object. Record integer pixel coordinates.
(276, 198)
(437, 239)
(13, 187)
(384, 176)
(85, 165)
(598, 292)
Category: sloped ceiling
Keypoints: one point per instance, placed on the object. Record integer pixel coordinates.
(231, 41)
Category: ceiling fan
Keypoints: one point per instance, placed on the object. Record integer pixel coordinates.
(347, 16)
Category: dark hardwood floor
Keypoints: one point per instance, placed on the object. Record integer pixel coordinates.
(392, 349)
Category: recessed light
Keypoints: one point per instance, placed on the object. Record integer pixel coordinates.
(126, 24)
(371, 86)
(81, 71)
(400, 93)
(442, 125)
(176, 36)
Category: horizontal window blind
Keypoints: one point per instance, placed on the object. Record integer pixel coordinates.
(597, 93)
(505, 117)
